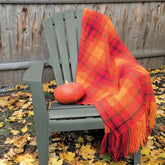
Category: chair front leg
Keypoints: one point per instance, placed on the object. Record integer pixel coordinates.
(41, 121)
(137, 160)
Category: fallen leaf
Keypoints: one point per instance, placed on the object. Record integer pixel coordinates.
(20, 103)
(11, 153)
(5, 162)
(145, 151)
(162, 128)
(1, 124)
(80, 140)
(18, 150)
(54, 160)
(21, 87)
(87, 152)
(24, 129)
(45, 87)
(28, 104)
(3, 103)
(25, 159)
(33, 141)
(67, 156)
(20, 141)
(15, 132)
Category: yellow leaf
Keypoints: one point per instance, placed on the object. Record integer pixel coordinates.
(3, 103)
(31, 113)
(20, 103)
(21, 87)
(119, 163)
(145, 151)
(1, 124)
(87, 152)
(53, 82)
(20, 141)
(25, 159)
(162, 155)
(80, 140)
(24, 129)
(50, 90)
(45, 87)
(27, 105)
(11, 119)
(11, 107)
(5, 162)
(18, 150)
(13, 100)
(15, 132)
(100, 163)
(67, 156)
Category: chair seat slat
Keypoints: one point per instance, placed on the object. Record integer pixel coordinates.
(60, 111)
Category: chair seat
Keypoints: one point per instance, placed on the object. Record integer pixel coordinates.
(74, 117)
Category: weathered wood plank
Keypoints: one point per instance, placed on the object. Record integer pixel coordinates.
(71, 1)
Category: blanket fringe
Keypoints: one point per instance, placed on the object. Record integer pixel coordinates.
(118, 146)
(115, 145)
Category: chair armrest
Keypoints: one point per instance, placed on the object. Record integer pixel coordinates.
(34, 73)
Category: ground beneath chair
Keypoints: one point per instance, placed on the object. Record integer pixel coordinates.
(18, 142)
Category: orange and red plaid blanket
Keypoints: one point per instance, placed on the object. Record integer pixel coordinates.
(116, 84)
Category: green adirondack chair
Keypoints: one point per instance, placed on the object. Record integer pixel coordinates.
(62, 32)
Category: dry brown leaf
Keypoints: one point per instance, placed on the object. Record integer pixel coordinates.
(33, 141)
(20, 103)
(21, 141)
(162, 128)
(54, 160)
(10, 154)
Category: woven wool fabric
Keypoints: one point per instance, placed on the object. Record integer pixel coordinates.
(116, 84)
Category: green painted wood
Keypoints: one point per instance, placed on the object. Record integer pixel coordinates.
(73, 111)
(34, 73)
(72, 39)
(76, 124)
(41, 121)
(59, 21)
(48, 26)
(79, 14)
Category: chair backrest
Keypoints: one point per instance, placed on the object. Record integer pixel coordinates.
(62, 32)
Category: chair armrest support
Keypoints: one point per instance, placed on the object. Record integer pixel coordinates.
(33, 77)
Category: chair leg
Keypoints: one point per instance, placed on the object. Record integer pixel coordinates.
(43, 147)
(137, 160)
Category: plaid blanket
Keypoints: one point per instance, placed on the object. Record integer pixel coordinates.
(116, 84)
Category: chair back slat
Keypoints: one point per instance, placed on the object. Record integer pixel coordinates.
(72, 36)
(78, 14)
(52, 47)
(63, 28)
(60, 30)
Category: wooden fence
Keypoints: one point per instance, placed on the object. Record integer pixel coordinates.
(140, 24)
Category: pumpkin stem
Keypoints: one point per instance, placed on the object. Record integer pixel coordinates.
(66, 82)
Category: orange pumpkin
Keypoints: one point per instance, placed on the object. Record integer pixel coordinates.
(69, 92)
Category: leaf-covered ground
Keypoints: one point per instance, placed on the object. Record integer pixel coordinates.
(18, 141)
